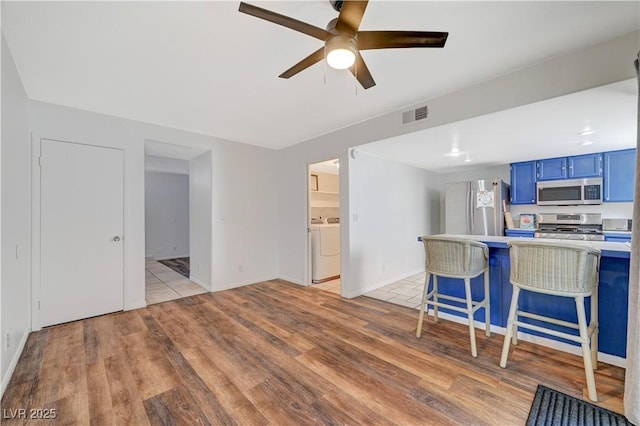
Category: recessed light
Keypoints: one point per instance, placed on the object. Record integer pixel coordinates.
(587, 131)
(455, 152)
(586, 143)
(467, 160)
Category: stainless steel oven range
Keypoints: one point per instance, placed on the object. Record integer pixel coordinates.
(570, 226)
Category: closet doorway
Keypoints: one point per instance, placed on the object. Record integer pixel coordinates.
(324, 225)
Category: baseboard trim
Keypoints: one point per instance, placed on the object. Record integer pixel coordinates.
(294, 281)
(14, 363)
(136, 305)
(200, 283)
(243, 283)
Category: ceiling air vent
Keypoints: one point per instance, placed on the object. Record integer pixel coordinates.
(414, 115)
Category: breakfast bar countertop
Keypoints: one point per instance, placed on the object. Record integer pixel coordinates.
(608, 248)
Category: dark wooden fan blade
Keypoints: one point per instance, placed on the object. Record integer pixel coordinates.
(285, 21)
(368, 40)
(361, 73)
(351, 16)
(315, 57)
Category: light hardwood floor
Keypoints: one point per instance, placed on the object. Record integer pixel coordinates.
(277, 353)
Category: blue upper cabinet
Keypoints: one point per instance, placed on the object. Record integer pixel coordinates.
(523, 183)
(552, 168)
(577, 166)
(619, 175)
(583, 166)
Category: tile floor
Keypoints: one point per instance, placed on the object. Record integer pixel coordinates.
(332, 286)
(164, 284)
(407, 292)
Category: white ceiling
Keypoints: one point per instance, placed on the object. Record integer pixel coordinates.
(206, 68)
(169, 150)
(331, 167)
(539, 130)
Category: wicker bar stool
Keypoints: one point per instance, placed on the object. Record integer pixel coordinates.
(558, 269)
(455, 257)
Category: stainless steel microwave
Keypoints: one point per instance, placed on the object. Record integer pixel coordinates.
(569, 192)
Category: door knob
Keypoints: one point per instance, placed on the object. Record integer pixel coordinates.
(116, 238)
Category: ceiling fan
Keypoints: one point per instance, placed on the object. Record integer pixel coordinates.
(343, 41)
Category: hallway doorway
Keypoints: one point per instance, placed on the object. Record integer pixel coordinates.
(177, 205)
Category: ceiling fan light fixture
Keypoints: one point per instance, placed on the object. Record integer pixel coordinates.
(341, 59)
(341, 52)
(343, 39)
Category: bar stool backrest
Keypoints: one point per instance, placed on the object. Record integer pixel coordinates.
(554, 267)
(455, 256)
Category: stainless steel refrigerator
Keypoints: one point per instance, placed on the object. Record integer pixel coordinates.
(476, 207)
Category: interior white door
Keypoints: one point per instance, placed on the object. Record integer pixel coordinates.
(81, 234)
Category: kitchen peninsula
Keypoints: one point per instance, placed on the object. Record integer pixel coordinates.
(613, 291)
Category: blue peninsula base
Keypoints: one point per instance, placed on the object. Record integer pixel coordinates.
(613, 293)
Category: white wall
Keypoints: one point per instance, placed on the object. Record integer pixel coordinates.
(166, 215)
(597, 65)
(15, 285)
(200, 219)
(244, 191)
(244, 216)
(393, 205)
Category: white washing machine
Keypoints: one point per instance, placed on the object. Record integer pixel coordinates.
(325, 252)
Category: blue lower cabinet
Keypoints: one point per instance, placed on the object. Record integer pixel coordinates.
(497, 273)
(613, 296)
(617, 238)
(455, 287)
(562, 308)
(613, 293)
(523, 233)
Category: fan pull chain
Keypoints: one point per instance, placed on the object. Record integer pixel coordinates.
(355, 69)
(325, 65)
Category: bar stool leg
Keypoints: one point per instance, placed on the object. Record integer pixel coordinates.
(472, 329)
(435, 298)
(511, 326)
(595, 324)
(586, 350)
(487, 306)
(424, 299)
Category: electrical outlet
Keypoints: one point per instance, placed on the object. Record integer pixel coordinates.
(240, 268)
(7, 341)
(198, 267)
(174, 248)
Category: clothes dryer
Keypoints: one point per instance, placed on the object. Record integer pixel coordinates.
(325, 252)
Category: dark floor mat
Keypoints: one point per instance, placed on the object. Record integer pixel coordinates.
(553, 408)
(180, 265)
